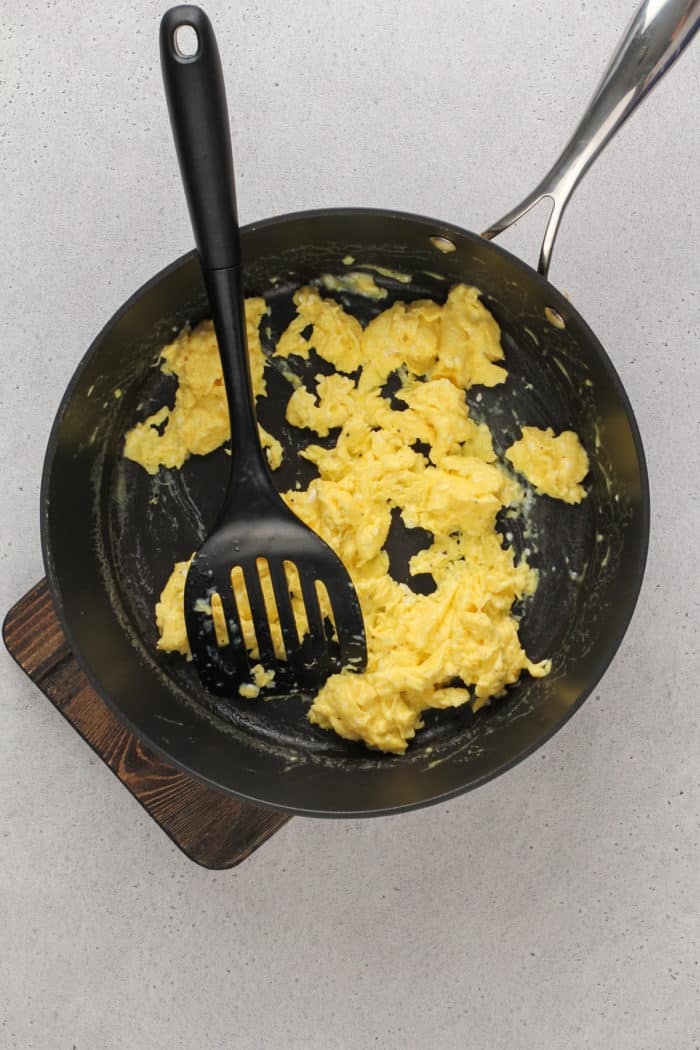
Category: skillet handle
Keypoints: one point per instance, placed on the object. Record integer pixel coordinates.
(658, 33)
(196, 96)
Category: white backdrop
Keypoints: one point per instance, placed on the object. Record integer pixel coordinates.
(556, 907)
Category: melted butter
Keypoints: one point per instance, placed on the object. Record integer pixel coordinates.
(393, 275)
(357, 283)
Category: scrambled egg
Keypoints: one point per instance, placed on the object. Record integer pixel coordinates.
(262, 679)
(198, 423)
(554, 465)
(456, 645)
(170, 620)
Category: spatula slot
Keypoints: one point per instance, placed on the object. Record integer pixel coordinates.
(260, 623)
(313, 615)
(299, 610)
(326, 607)
(217, 614)
(288, 627)
(240, 594)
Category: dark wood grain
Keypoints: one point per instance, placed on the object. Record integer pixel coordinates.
(213, 829)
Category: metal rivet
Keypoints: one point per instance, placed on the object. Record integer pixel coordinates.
(443, 244)
(554, 317)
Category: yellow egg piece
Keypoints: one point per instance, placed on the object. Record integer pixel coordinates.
(198, 423)
(554, 465)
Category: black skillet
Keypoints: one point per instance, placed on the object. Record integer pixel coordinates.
(111, 533)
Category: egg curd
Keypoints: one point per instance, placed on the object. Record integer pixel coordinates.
(554, 465)
(426, 459)
(198, 422)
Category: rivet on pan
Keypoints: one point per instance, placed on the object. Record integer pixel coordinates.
(443, 244)
(554, 317)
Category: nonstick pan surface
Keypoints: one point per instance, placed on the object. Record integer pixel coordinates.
(111, 532)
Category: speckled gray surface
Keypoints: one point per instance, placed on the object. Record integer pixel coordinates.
(556, 907)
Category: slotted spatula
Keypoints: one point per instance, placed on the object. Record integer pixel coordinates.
(255, 531)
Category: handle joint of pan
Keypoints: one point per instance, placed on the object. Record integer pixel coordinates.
(658, 33)
(557, 205)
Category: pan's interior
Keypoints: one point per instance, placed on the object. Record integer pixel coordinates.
(112, 532)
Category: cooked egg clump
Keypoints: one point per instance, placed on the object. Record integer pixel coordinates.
(198, 423)
(554, 465)
(426, 459)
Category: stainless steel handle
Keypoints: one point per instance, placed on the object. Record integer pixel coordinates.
(653, 41)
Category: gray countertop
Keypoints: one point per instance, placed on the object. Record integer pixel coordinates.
(557, 906)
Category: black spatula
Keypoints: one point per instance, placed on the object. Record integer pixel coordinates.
(256, 532)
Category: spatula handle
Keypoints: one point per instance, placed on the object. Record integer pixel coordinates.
(194, 88)
(196, 97)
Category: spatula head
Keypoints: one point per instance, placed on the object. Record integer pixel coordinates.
(268, 591)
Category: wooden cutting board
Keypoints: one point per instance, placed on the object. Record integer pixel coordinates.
(211, 828)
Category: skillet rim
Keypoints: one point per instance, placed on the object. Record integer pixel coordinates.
(439, 227)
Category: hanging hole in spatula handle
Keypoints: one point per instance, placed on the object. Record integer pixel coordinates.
(196, 97)
(656, 36)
